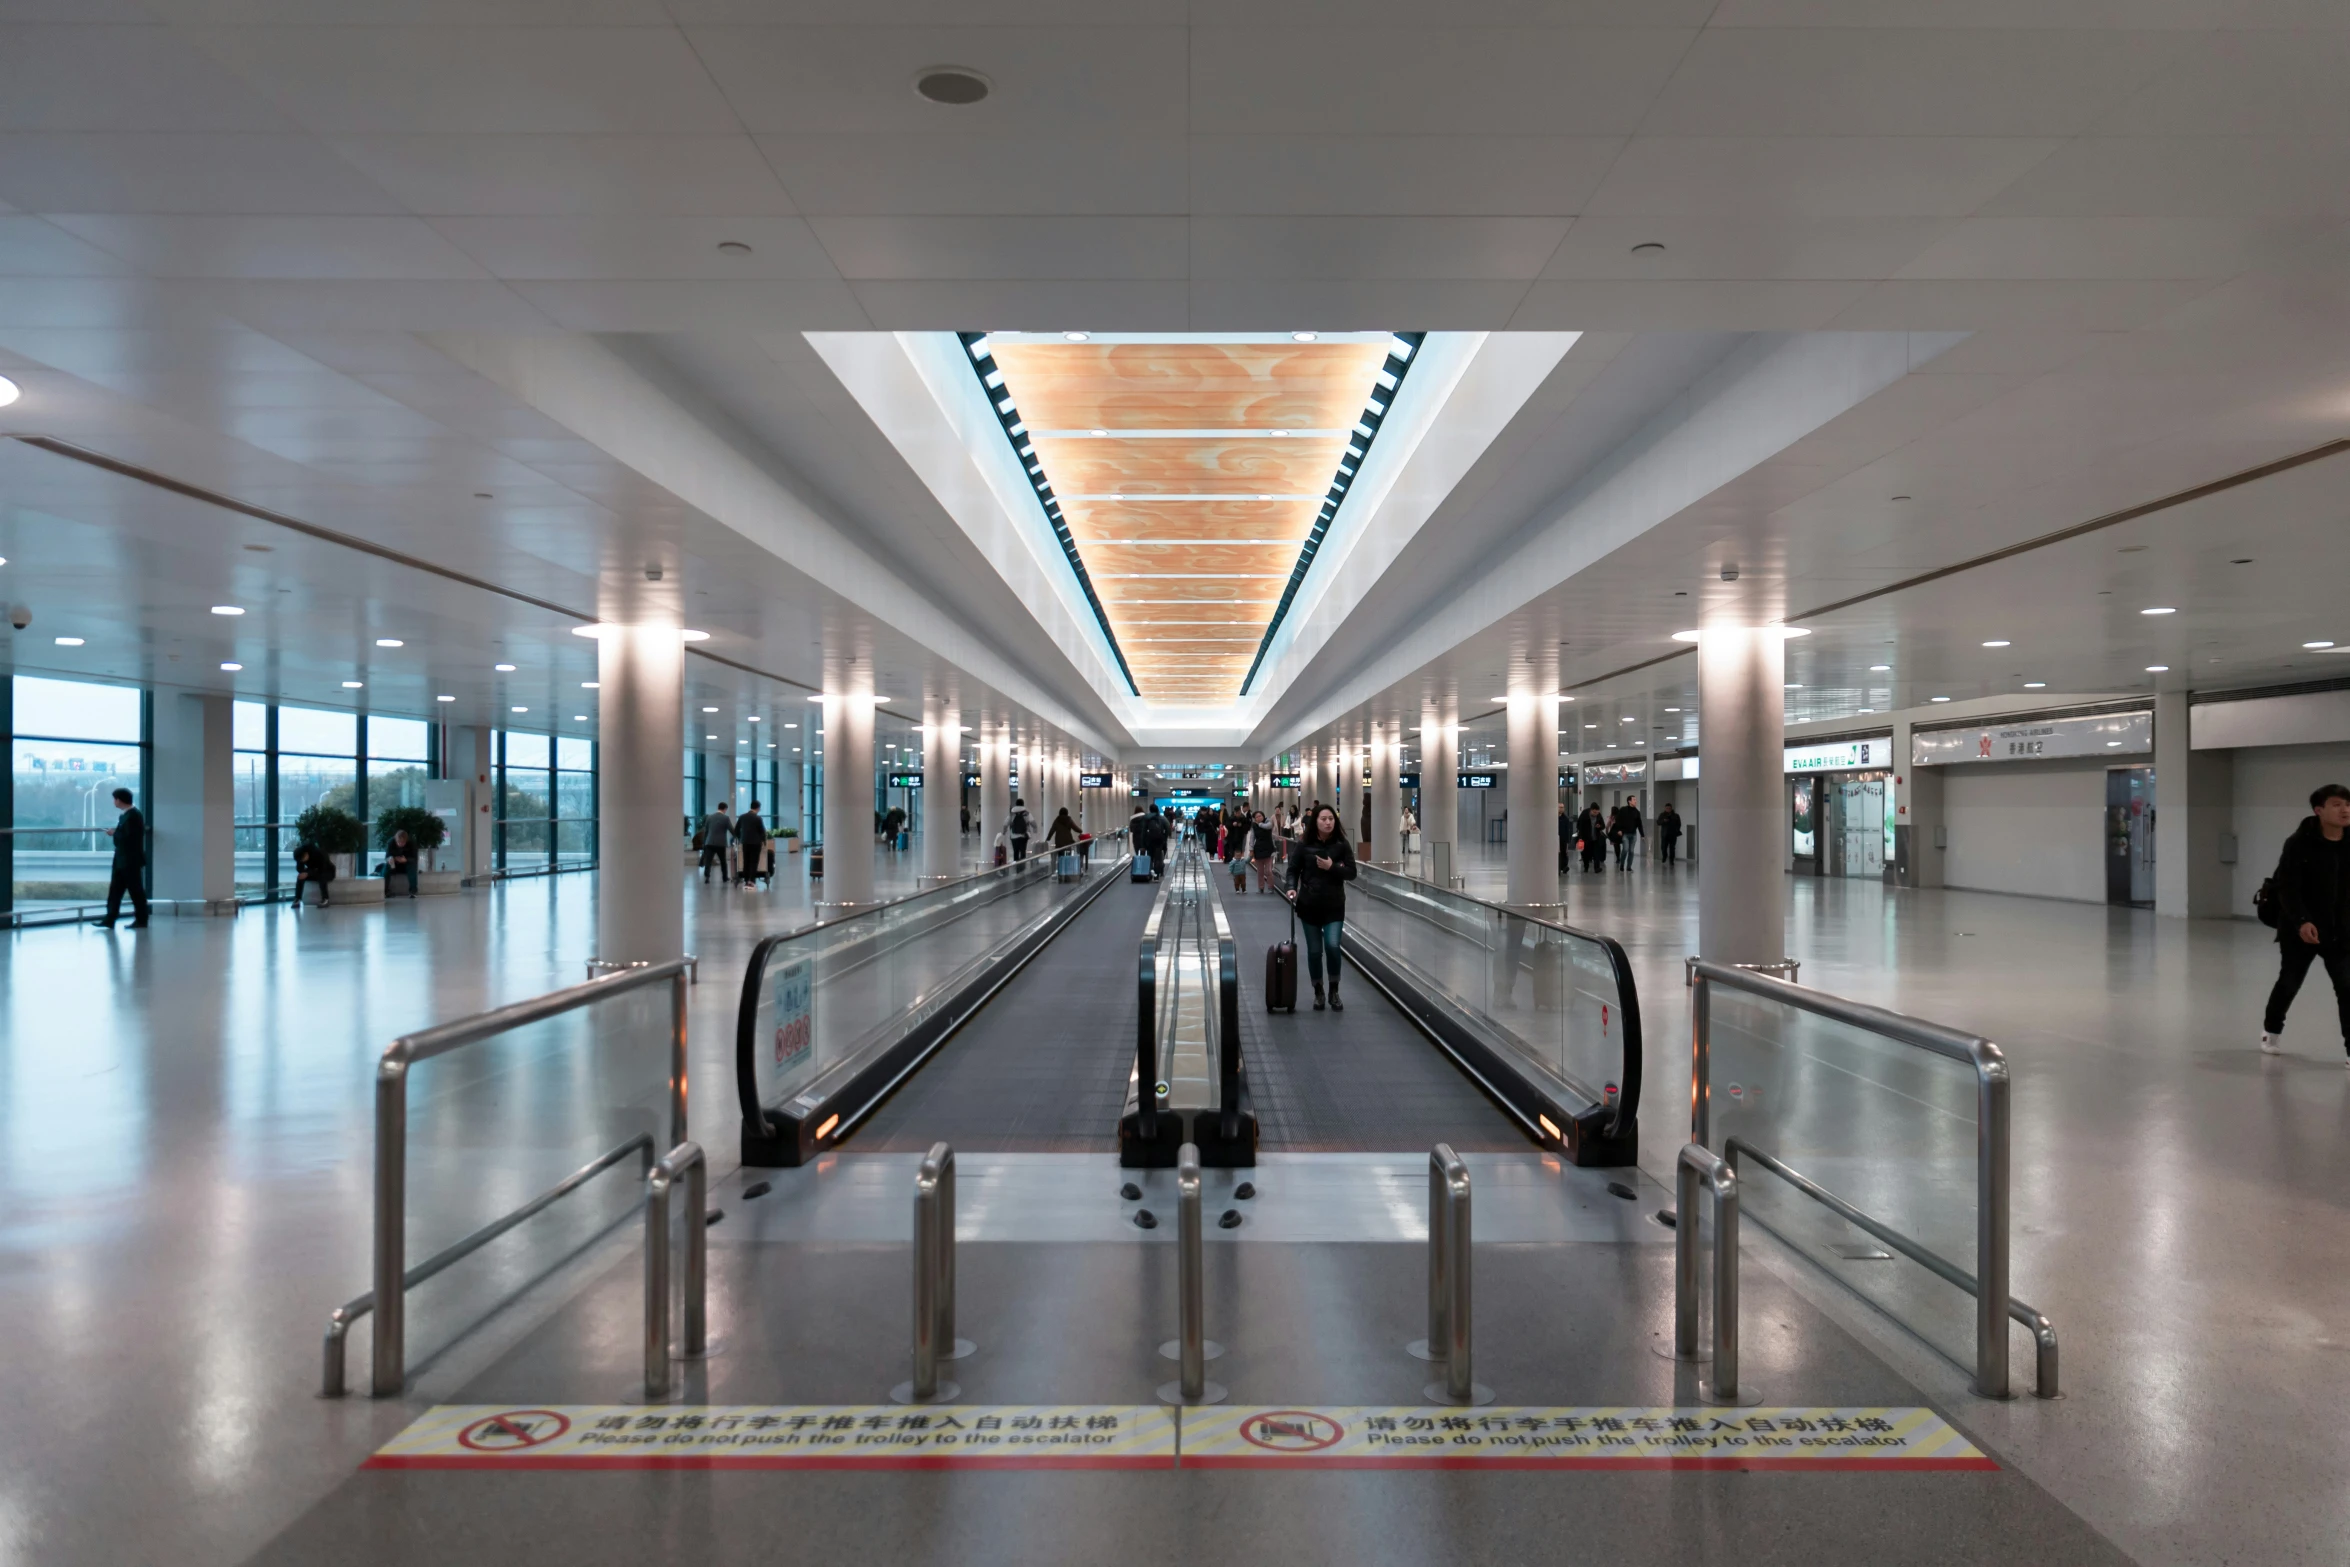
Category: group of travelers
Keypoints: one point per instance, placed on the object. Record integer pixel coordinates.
(747, 834)
(1588, 838)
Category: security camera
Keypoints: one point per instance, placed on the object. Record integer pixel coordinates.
(20, 617)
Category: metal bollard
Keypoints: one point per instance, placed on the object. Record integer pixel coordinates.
(1700, 1169)
(686, 1160)
(934, 1281)
(1192, 1386)
(1450, 1313)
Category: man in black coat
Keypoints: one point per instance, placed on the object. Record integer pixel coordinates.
(129, 833)
(2313, 911)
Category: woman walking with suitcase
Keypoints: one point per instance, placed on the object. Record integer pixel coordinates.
(1320, 866)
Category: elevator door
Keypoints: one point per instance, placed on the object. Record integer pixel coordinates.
(2129, 836)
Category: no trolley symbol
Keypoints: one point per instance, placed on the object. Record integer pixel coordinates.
(515, 1431)
(1291, 1431)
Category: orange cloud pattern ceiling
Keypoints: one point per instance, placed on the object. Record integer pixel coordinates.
(1189, 475)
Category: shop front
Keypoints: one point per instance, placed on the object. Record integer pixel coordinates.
(1840, 807)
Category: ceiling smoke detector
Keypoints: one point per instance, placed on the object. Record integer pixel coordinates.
(1730, 572)
(952, 84)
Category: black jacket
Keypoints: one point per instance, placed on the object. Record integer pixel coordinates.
(751, 833)
(2312, 888)
(1321, 894)
(130, 840)
(1668, 826)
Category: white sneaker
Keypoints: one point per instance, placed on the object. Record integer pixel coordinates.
(2270, 1047)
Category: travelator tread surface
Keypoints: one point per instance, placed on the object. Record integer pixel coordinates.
(1365, 1080)
(1043, 1067)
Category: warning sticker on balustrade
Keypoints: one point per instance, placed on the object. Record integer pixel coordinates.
(1420, 1437)
(785, 1436)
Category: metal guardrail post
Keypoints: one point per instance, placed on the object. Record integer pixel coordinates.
(1451, 1310)
(685, 1159)
(390, 1369)
(1701, 1014)
(934, 1282)
(1698, 1170)
(1192, 1385)
(1991, 1195)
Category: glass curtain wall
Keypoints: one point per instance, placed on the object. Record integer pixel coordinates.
(71, 745)
(546, 799)
(255, 733)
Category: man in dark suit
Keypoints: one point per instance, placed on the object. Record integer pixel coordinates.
(129, 833)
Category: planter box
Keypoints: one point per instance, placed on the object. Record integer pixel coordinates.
(433, 884)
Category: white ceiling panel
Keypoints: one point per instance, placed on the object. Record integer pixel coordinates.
(1465, 13)
(190, 245)
(119, 79)
(639, 245)
(920, 13)
(772, 305)
(577, 80)
(1354, 305)
(1742, 247)
(2136, 176)
(1457, 176)
(192, 171)
(979, 175)
(1346, 247)
(513, 176)
(333, 305)
(1957, 305)
(968, 305)
(1075, 82)
(33, 247)
(1765, 305)
(2247, 84)
(1446, 81)
(2112, 247)
(409, 13)
(1813, 176)
(2053, 14)
(1005, 247)
(1903, 81)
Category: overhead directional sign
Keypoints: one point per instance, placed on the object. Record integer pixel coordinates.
(1093, 780)
(905, 780)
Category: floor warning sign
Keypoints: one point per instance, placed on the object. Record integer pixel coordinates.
(1419, 1437)
(786, 1436)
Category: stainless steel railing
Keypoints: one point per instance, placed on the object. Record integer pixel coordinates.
(1451, 1234)
(684, 1160)
(934, 1282)
(1191, 1386)
(1994, 1304)
(387, 1300)
(1700, 1172)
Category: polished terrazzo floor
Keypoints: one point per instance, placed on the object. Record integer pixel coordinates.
(185, 1138)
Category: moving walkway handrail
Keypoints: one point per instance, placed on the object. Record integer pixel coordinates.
(1993, 1303)
(1146, 1014)
(1627, 1105)
(754, 973)
(388, 1300)
(1227, 1014)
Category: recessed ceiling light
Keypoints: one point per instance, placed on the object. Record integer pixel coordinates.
(1998, 644)
(709, 710)
(1303, 337)
(2035, 685)
(444, 698)
(2160, 609)
(227, 609)
(503, 669)
(693, 636)
(2316, 644)
(520, 710)
(791, 726)
(2158, 669)
(389, 642)
(953, 85)
(1938, 699)
(69, 641)
(754, 718)
(232, 668)
(1077, 337)
(709, 737)
(579, 718)
(354, 685)
(8, 391)
(1672, 710)
(1591, 726)
(591, 685)
(1878, 669)
(1794, 685)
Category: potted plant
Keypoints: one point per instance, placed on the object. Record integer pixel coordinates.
(335, 832)
(427, 831)
(790, 837)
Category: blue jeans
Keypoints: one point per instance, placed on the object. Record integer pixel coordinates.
(1321, 938)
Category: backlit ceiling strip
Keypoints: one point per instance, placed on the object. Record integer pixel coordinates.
(1007, 413)
(1385, 387)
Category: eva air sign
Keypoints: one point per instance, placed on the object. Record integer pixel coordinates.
(1840, 755)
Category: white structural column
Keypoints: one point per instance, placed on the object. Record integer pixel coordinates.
(995, 788)
(640, 723)
(1439, 795)
(1741, 711)
(1532, 717)
(1918, 849)
(791, 803)
(942, 789)
(848, 798)
(468, 761)
(194, 834)
(1386, 798)
(2194, 810)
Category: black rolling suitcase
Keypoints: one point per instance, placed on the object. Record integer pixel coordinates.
(1281, 972)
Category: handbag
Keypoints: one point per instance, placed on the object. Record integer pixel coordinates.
(2264, 903)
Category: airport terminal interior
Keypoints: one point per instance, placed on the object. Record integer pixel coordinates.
(1158, 780)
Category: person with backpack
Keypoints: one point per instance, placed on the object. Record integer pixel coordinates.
(1022, 826)
(1320, 866)
(2310, 905)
